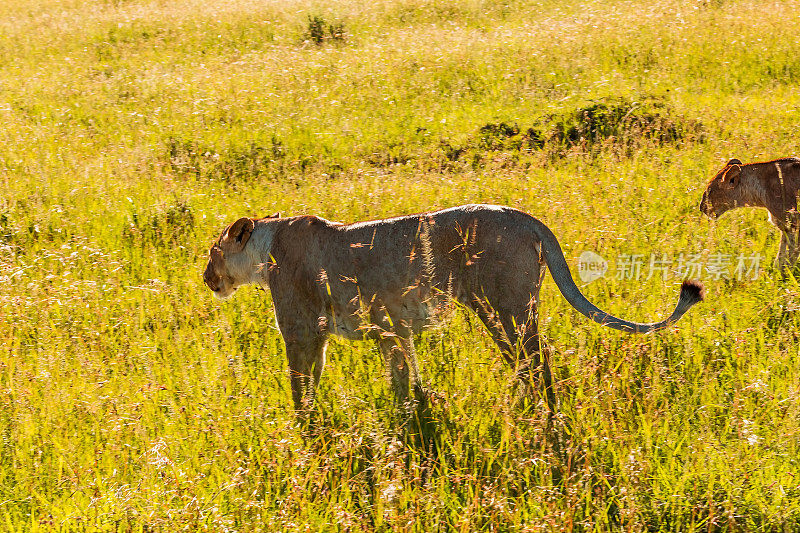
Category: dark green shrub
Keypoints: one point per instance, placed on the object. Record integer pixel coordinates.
(319, 31)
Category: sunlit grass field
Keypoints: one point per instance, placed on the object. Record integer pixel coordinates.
(132, 132)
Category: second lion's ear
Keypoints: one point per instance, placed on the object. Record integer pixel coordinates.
(276, 214)
(237, 235)
(734, 162)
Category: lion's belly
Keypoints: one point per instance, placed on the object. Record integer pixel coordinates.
(347, 325)
(413, 308)
(420, 308)
(416, 308)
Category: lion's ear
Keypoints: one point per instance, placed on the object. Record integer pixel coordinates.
(276, 214)
(734, 162)
(731, 177)
(238, 234)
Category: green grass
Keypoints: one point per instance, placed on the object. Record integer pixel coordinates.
(132, 132)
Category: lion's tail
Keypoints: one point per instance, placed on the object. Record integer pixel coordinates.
(691, 293)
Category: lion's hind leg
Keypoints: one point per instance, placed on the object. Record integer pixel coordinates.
(516, 332)
(535, 359)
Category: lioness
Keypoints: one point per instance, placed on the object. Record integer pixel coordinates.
(385, 279)
(771, 184)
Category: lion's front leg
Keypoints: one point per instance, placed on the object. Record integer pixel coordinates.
(789, 251)
(781, 259)
(306, 361)
(792, 247)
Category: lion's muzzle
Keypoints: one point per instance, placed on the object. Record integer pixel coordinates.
(210, 276)
(209, 279)
(706, 208)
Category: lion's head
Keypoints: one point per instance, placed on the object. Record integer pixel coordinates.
(228, 265)
(723, 192)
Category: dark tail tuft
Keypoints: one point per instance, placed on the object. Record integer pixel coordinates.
(692, 292)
